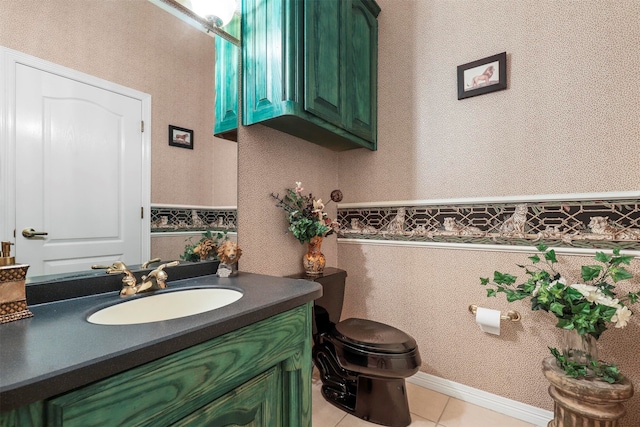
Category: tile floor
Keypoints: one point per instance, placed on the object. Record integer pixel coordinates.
(428, 409)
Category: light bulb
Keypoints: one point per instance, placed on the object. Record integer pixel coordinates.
(219, 12)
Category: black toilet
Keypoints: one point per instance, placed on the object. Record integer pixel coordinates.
(362, 363)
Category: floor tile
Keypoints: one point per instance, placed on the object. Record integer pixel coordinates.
(418, 421)
(351, 421)
(425, 403)
(323, 414)
(462, 414)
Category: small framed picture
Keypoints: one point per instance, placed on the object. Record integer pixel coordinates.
(180, 137)
(482, 76)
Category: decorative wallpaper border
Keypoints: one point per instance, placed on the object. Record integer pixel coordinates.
(196, 218)
(589, 223)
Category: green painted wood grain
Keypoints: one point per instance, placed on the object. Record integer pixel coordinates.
(324, 66)
(167, 390)
(271, 43)
(362, 78)
(297, 69)
(226, 81)
(25, 416)
(254, 404)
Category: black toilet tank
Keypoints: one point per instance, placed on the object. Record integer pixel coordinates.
(333, 282)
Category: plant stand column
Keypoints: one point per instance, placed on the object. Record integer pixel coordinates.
(584, 402)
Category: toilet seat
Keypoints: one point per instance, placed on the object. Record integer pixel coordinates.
(370, 336)
(374, 349)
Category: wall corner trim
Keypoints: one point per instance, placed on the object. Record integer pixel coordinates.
(509, 407)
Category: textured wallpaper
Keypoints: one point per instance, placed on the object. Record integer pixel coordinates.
(269, 162)
(567, 123)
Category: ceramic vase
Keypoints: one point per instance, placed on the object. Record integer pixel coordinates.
(314, 261)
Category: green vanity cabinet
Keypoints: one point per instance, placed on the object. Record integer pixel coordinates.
(227, 83)
(310, 69)
(259, 375)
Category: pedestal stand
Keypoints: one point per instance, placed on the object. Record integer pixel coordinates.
(585, 402)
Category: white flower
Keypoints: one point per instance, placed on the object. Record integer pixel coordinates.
(536, 291)
(590, 292)
(539, 284)
(594, 294)
(299, 188)
(561, 280)
(603, 299)
(622, 316)
(585, 290)
(318, 207)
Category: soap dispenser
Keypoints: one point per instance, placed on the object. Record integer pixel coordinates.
(13, 299)
(6, 258)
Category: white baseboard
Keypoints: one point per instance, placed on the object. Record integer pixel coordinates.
(512, 408)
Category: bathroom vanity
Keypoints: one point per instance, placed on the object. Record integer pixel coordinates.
(246, 363)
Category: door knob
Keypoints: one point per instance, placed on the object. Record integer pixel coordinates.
(30, 232)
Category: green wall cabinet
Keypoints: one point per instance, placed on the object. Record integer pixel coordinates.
(310, 69)
(259, 375)
(227, 83)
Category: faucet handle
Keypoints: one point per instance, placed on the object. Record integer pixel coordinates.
(169, 264)
(159, 275)
(151, 261)
(116, 267)
(161, 268)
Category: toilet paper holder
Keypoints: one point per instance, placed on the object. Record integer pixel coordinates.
(512, 315)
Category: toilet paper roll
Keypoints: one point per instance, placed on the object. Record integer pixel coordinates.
(488, 320)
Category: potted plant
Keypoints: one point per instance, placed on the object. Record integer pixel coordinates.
(583, 310)
(309, 223)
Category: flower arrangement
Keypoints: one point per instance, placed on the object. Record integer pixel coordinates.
(305, 213)
(585, 307)
(205, 248)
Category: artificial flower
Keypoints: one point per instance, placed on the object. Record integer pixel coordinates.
(622, 316)
(585, 307)
(306, 215)
(318, 207)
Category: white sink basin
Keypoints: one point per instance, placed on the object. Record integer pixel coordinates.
(166, 306)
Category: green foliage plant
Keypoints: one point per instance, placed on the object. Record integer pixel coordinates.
(305, 213)
(215, 238)
(585, 307)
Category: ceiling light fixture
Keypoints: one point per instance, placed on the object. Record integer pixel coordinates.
(218, 12)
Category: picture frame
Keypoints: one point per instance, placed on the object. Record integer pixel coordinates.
(482, 76)
(180, 137)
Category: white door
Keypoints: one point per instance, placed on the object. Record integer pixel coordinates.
(79, 165)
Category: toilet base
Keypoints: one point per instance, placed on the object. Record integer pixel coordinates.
(380, 401)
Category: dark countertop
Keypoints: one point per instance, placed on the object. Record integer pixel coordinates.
(57, 350)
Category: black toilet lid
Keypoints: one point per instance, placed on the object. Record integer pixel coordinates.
(374, 336)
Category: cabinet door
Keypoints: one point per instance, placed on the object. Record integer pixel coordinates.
(296, 60)
(179, 385)
(227, 58)
(324, 54)
(362, 66)
(253, 404)
(271, 59)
